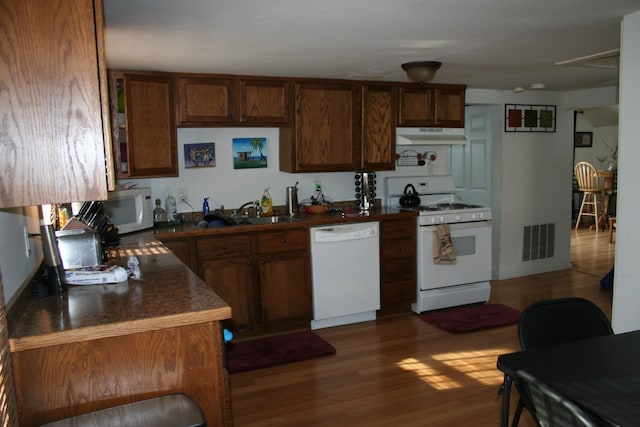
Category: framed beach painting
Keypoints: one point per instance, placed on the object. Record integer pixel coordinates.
(249, 153)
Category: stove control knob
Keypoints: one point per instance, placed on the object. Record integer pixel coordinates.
(433, 219)
(475, 216)
(458, 217)
(481, 215)
(441, 218)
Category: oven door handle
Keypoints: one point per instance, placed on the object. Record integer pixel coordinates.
(459, 225)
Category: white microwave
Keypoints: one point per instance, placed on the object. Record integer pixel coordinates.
(130, 210)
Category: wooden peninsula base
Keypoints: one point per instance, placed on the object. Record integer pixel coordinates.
(98, 346)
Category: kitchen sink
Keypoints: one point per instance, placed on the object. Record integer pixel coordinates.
(214, 221)
(267, 220)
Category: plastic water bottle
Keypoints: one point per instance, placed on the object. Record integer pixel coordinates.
(171, 207)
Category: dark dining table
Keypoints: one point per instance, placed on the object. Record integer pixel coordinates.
(601, 375)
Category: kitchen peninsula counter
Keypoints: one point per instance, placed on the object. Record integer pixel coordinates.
(98, 346)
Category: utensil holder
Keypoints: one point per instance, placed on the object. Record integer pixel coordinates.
(365, 186)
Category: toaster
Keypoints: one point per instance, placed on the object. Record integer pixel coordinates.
(79, 248)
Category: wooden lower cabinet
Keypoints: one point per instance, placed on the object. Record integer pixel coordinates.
(233, 279)
(398, 264)
(184, 249)
(64, 380)
(284, 294)
(264, 277)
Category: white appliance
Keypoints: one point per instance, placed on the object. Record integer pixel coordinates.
(346, 273)
(430, 136)
(447, 285)
(130, 210)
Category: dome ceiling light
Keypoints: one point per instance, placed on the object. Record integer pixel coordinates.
(421, 71)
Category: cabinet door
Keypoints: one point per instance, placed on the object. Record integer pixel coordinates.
(151, 131)
(417, 107)
(379, 122)
(184, 250)
(203, 101)
(53, 142)
(449, 107)
(264, 102)
(284, 288)
(233, 280)
(326, 135)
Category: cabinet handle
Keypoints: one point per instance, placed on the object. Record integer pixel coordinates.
(230, 116)
(248, 262)
(224, 247)
(263, 262)
(283, 241)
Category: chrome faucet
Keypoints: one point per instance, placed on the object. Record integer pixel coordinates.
(237, 212)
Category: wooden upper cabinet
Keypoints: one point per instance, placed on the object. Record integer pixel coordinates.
(432, 106)
(379, 121)
(325, 136)
(53, 140)
(417, 107)
(264, 102)
(449, 107)
(204, 100)
(151, 141)
(213, 101)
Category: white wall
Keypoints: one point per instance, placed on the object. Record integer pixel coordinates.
(603, 138)
(534, 183)
(232, 188)
(15, 266)
(626, 293)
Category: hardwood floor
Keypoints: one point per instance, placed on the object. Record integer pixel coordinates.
(401, 371)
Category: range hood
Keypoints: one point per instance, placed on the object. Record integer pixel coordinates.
(430, 136)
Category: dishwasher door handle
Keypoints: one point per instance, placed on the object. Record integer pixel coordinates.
(341, 233)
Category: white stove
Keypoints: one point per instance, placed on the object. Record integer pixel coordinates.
(465, 279)
(439, 203)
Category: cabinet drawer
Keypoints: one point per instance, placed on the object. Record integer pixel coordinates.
(398, 293)
(398, 270)
(284, 240)
(401, 248)
(210, 248)
(398, 229)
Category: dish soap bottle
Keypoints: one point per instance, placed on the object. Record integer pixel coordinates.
(159, 214)
(266, 203)
(170, 207)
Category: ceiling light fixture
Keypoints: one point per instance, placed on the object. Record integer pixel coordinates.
(537, 86)
(421, 71)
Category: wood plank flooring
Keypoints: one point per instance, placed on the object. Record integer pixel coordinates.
(401, 371)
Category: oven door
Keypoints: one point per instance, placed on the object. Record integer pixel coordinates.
(472, 246)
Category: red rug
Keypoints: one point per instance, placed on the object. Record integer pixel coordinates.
(276, 350)
(472, 317)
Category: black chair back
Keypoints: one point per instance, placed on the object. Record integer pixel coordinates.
(551, 408)
(561, 320)
(557, 321)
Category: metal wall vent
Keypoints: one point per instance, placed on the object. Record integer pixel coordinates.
(538, 242)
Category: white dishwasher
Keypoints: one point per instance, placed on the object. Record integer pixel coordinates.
(345, 262)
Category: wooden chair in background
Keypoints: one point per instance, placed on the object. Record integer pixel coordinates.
(592, 193)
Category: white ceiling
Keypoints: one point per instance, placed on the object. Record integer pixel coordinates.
(495, 44)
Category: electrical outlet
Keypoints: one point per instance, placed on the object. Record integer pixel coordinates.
(182, 195)
(27, 242)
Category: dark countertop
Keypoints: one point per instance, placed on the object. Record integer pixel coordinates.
(167, 295)
(304, 220)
